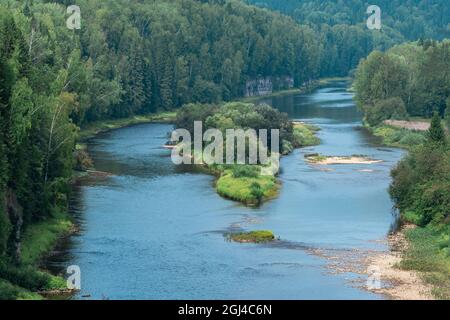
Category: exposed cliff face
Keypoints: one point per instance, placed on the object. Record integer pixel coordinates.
(265, 86)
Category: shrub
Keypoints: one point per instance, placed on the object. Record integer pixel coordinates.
(392, 108)
(8, 291)
(259, 236)
(24, 276)
(256, 191)
(411, 139)
(249, 171)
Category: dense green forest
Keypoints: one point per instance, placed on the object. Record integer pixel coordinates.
(344, 37)
(409, 80)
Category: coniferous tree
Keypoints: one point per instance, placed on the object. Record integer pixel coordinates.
(436, 133)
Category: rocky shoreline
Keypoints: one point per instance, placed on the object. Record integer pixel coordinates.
(397, 284)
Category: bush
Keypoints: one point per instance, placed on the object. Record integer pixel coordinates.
(411, 139)
(305, 135)
(24, 276)
(240, 189)
(256, 191)
(249, 171)
(432, 200)
(392, 108)
(259, 236)
(420, 185)
(8, 291)
(429, 252)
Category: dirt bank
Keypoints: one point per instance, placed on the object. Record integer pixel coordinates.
(410, 125)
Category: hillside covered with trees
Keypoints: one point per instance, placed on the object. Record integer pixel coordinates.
(414, 77)
(344, 37)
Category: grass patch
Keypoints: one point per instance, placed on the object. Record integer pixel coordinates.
(41, 237)
(25, 280)
(8, 291)
(97, 127)
(260, 236)
(305, 135)
(429, 253)
(315, 157)
(250, 190)
(398, 137)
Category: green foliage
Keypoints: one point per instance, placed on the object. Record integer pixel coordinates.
(436, 132)
(391, 108)
(41, 237)
(256, 191)
(305, 135)
(429, 252)
(249, 171)
(410, 139)
(259, 236)
(239, 115)
(412, 72)
(343, 34)
(132, 58)
(406, 21)
(5, 226)
(9, 291)
(421, 183)
(248, 190)
(399, 137)
(24, 276)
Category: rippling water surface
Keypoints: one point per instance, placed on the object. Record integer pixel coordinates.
(155, 231)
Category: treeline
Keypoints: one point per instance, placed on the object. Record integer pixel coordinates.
(344, 37)
(142, 56)
(408, 80)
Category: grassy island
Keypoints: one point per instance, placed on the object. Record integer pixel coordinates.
(245, 183)
(260, 236)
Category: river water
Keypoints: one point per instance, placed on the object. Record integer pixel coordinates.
(154, 230)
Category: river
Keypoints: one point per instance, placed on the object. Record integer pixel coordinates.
(154, 230)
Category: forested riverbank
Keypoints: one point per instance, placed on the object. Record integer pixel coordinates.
(408, 81)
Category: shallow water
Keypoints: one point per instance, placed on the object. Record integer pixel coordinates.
(154, 230)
